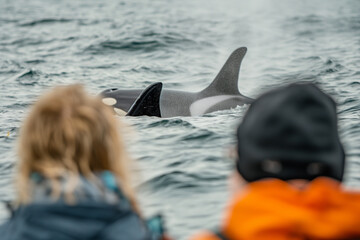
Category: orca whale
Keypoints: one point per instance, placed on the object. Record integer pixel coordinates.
(221, 94)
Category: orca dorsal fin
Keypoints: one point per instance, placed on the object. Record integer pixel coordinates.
(148, 102)
(226, 82)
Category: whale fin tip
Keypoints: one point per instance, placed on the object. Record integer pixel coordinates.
(226, 81)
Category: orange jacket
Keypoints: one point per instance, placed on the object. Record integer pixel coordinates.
(273, 209)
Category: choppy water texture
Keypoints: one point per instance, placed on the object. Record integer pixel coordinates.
(130, 44)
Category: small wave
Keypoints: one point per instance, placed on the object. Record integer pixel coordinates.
(91, 22)
(350, 110)
(35, 61)
(331, 66)
(180, 179)
(23, 42)
(6, 20)
(45, 21)
(309, 19)
(10, 67)
(144, 41)
(198, 135)
(72, 38)
(171, 123)
(126, 46)
(350, 100)
(148, 69)
(19, 105)
(314, 59)
(6, 166)
(354, 85)
(26, 77)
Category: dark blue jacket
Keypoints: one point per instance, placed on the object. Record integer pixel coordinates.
(90, 218)
(65, 222)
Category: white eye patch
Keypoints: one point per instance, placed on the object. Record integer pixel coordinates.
(109, 101)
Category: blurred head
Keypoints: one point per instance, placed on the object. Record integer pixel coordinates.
(290, 133)
(69, 132)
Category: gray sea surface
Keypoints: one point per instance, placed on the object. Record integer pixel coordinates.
(183, 163)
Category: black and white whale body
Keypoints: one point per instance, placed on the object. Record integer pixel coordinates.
(222, 93)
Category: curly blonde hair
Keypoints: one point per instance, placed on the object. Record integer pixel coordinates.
(69, 131)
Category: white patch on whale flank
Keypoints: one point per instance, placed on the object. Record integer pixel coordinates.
(109, 101)
(200, 106)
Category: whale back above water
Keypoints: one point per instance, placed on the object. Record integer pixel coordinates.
(221, 94)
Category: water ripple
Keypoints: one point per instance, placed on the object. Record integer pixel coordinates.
(170, 123)
(179, 179)
(145, 42)
(45, 21)
(28, 77)
(199, 135)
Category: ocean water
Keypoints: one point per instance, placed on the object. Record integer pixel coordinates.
(182, 162)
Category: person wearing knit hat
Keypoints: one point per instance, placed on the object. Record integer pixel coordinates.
(289, 168)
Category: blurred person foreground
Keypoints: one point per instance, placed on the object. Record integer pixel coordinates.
(287, 183)
(73, 176)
